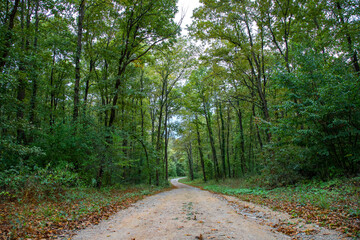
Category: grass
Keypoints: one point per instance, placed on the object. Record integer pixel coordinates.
(73, 209)
(334, 204)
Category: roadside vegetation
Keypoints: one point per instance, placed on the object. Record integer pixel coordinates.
(45, 207)
(332, 204)
(99, 96)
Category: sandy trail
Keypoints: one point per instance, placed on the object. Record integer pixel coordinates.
(186, 212)
(182, 213)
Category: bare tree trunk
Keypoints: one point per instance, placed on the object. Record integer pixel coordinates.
(200, 147)
(34, 75)
(77, 59)
(250, 155)
(142, 113)
(87, 84)
(352, 51)
(100, 172)
(212, 142)
(52, 92)
(8, 36)
(21, 91)
(166, 141)
(222, 145)
(242, 141)
(158, 141)
(256, 124)
(190, 160)
(228, 141)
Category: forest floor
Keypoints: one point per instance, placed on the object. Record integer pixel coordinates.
(47, 215)
(307, 208)
(191, 213)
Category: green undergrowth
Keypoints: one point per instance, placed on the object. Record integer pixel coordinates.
(74, 208)
(232, 191)
(334, 204)
(228, 186)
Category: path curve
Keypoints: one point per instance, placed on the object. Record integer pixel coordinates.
(182, 213)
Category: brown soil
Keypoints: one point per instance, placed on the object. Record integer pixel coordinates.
(190, 213)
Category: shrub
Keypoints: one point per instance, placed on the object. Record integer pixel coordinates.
(282, 165)
(37, 183)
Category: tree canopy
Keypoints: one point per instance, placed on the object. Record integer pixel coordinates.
(105, 92)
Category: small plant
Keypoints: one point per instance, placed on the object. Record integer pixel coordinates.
(354, 212)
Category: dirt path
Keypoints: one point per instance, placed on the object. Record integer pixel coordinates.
(182, 213)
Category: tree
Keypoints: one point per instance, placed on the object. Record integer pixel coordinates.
(77, 57)
(139, 32)
(171, 65)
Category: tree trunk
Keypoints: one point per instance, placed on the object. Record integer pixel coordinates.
(34, 75)
(190, 160)
(222, 145)
(20, 111)
(100, 173)
(352, 52)
(242, 141)
(52, 90)
(228, 141)
(242, 138)
(257, 127)
(250, 154)
(166, 141)
(87, 84)
(21, 91)
(142, 113)
(106, 99)
(77, 59)
(8, 36)
(212, 142)
(200, 148)
(158, 141)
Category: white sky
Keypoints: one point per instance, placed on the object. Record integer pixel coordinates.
(186, 7)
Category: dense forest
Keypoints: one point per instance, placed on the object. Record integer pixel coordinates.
(108, 92)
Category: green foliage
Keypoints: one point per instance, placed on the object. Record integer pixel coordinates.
(282, 165)
(174, 169)
(180, 169)
(118, 98)
(104, 137)
(37, 183)
(323, 195)
(319, 131)
(236, 191)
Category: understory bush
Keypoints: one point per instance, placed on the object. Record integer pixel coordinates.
(282, 165)
(37, 183)
(317, 135)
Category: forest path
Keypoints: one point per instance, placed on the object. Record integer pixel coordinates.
(182, 213)
(186, 212)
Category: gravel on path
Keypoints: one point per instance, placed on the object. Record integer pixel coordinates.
(182, 213)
